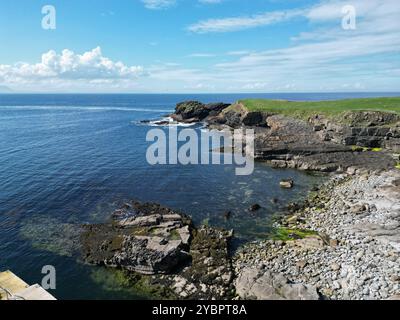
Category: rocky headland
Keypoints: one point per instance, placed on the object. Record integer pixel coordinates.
(343, 242)
(318, 143)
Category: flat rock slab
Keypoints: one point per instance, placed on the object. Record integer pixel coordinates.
(258, 284)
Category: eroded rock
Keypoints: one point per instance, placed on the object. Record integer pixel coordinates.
(144, 238)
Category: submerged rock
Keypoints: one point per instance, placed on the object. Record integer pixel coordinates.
(255, 207)
(50, 234)
(287, 184)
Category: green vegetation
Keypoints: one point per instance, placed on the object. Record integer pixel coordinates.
(365, 149)
(133, 285)
(301, 109)
(286, 234)
(398, 166)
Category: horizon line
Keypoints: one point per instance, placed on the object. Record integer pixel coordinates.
(194, 93)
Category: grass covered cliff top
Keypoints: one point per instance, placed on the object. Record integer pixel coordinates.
(305, 109)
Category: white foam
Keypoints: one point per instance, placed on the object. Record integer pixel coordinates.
(170, 123)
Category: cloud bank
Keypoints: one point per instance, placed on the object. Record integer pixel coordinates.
(68, 68)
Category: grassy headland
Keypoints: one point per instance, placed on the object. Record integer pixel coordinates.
(303, 109)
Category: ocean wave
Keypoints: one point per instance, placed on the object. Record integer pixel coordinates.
(164, 122)
(83, 108)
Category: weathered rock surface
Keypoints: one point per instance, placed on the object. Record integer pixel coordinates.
(210, 271)
(144, 238)
(373, 129)
(320, 144)
(149, 239)
(259, 284)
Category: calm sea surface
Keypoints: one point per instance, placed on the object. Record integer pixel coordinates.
(71, 159)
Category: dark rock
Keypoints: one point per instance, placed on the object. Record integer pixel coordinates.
(216, 108)
(233, 119)
(254, 119)
(254, 207)
(191, 109)
(195, 111)
(227, 215)
(274, 200)
(162, 123)
(293, 207)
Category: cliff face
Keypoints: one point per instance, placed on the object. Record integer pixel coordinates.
(320, 143)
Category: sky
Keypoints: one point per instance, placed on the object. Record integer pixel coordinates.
(200, 46)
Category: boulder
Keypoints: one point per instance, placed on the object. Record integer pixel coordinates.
(308, 243)
(287, 184)
(359, 209)
(255, 207)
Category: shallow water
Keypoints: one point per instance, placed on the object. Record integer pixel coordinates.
(71, 159)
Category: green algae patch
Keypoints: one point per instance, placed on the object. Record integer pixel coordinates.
(287, 234)
(131, 284)
(365, 149)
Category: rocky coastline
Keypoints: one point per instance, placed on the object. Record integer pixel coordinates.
(350, 250)
(343, 242)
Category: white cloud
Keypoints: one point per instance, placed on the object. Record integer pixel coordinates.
(67, 68)
(202, 55)
(238, 53)
(158, 4)
(243, 22)
(210, 1)
(326, 58)
(325, 11)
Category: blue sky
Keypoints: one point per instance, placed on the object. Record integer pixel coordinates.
(200, 46)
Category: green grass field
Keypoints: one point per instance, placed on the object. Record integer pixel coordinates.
(327, 108)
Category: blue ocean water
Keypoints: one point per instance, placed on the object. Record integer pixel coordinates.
(66, 160)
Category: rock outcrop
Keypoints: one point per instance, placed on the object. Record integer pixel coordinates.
(372, 129)
(194, 111)
(319, 144)
(145, 238)
(148, 239)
